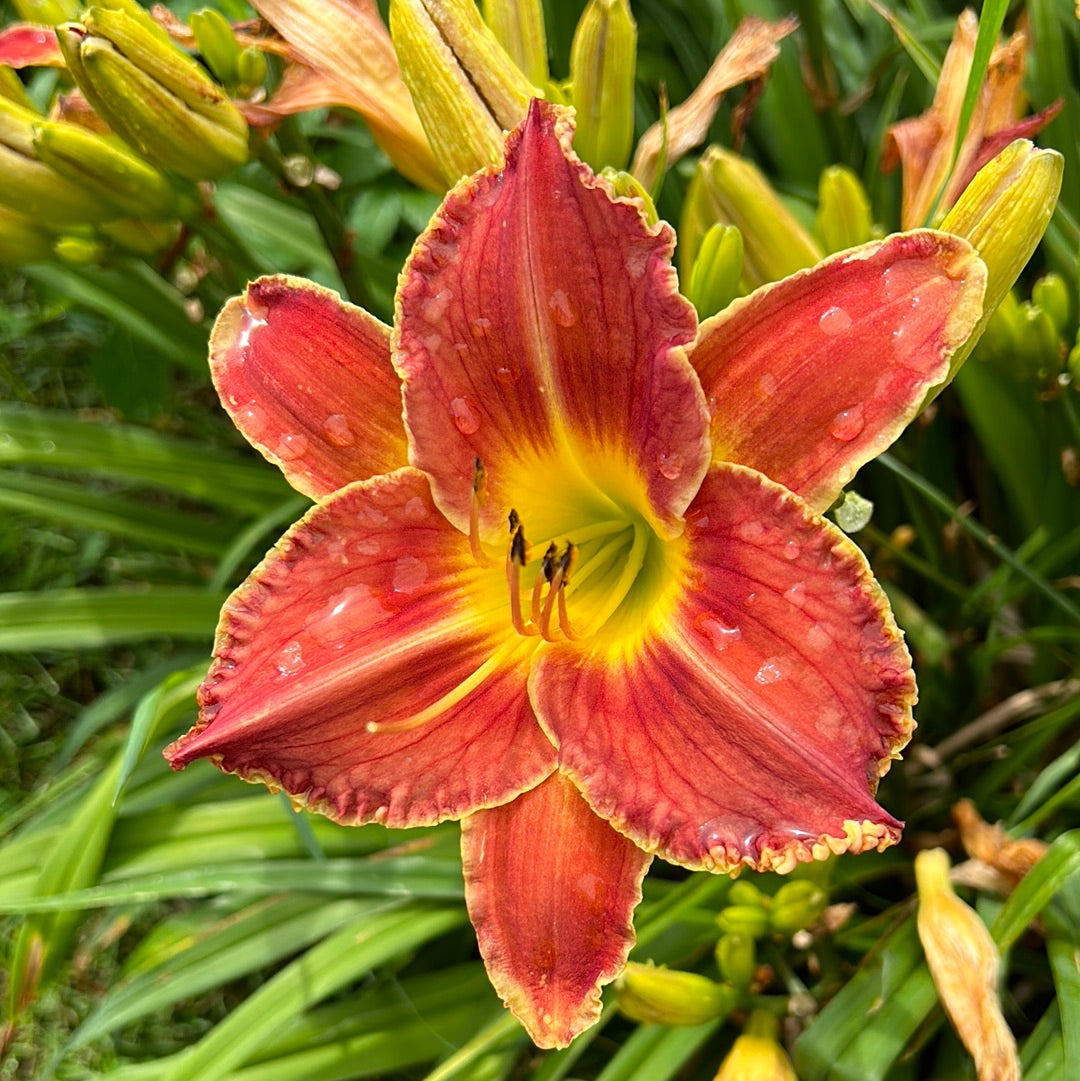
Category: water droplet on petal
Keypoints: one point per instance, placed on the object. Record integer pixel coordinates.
(796, 594)
(834, 321)
(847, 424)
(415, 509)
(562, 311)
(465, 418)
(767, 384)
(818, 638)
(252, 420)
(750, 530)
(47, 446)
(731, 829)
(410, 574)
(480, 326)
(771, 671)
(250, 321)
(289, 660)
(291, 446)
(749, 600)
(434, 307)
(432, 342)
(718, 633)
(792, 550)
(509, 376)
(336, 427)
(670, 464)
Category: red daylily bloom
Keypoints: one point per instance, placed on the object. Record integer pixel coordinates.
(687, 661)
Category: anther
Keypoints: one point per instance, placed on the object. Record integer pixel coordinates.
(555, 595)
(479, 492)
(516, 558)
(547, 569)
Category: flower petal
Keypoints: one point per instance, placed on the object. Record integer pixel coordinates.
(25, 45)
(753, 727)
(539, 319)
(551, 890)
(307, 378)
(363, 616)
(812, 376)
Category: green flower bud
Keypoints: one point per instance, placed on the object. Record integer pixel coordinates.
(628, 186)
(736, 959)
(714, 280)
(80, 250)
(844, 219)
(743, 892)
(153, 96)
(749, 920)
(466, 89)
(141, 237)
(662, 996)
(1038, 345)
(217, 43)
(602, 61)
(730, 190)
(21, 240)
(250, 68)
(1004, 212)
(106, 168)
(1052, 295)
(519, 26)
(45, 12)
(1074, 366)
(796, 905)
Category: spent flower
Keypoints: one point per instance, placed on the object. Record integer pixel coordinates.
(583, 599)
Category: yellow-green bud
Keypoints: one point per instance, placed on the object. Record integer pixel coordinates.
(844, 219)
(45, 12)
(466, 89)
(998, 343)
(156, 98)
(1074, 366)
(141, 237)
(35, 188)
(714, 280)
(732, 191)
(250, 68)
(22, 241)
(737, 960)
(80, 250)
(1004, 212)
(743, 892)
(106, 168)
(756, 1055)
(627, 185)
(1052, 295)
(663, 996)
(1038, 345)
(749, 920)
(217, 43)
(602, 60)
(796, 905)
(519, 26)
(11, 87)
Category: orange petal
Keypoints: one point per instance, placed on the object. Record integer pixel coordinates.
(812, 376)
(539, 320)
(551, 890)
(752, 725)
(307, 378)
(24, 45)
(364, 616)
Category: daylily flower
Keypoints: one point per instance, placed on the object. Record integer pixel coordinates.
(598, 615)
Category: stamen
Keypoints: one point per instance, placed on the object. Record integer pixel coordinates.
(547, 569)
(479, 492)
(516, 558)
(564, 567)
(447, 701)
(557, 580)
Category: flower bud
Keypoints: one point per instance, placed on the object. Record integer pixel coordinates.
(602, 60)
(963, 962)
(80, 250)
(45, 12)
(1052, 295)
(736, 958)
(1038, 345)
(628, 186)
(729, 190)
(796, 905)
(749, 920)
(756, 1055)
(35, 188)
(663, 996)
(844, 219)
(519, 26)
(714, 280)
(1004, 212)
(466, 89)
(217, 43)
(141, 237)
(155, 97)
(743, 892)
(107, 169)
(250, 69)
(21, 240)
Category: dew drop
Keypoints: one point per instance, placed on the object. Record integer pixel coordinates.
(371, 517)
(562, 311)
(749, 600)
(737, 830)
(771, 671)
(47, 446)
(818, 638)
(291, 446)
(410, 574)
(670, 464)
(366, 546)
(767, 384)
(432, 342)
(465, 418)
(834, 321)
(336, 427)
(750, 530)
(250, 321)
(6, 439)
(718, 633)
(796, 594)
(415, 510)
(508, 376)
(847, 424)
(792, 550)
(252, 420)
(289, 660)
(480, 326)
(434, 307)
